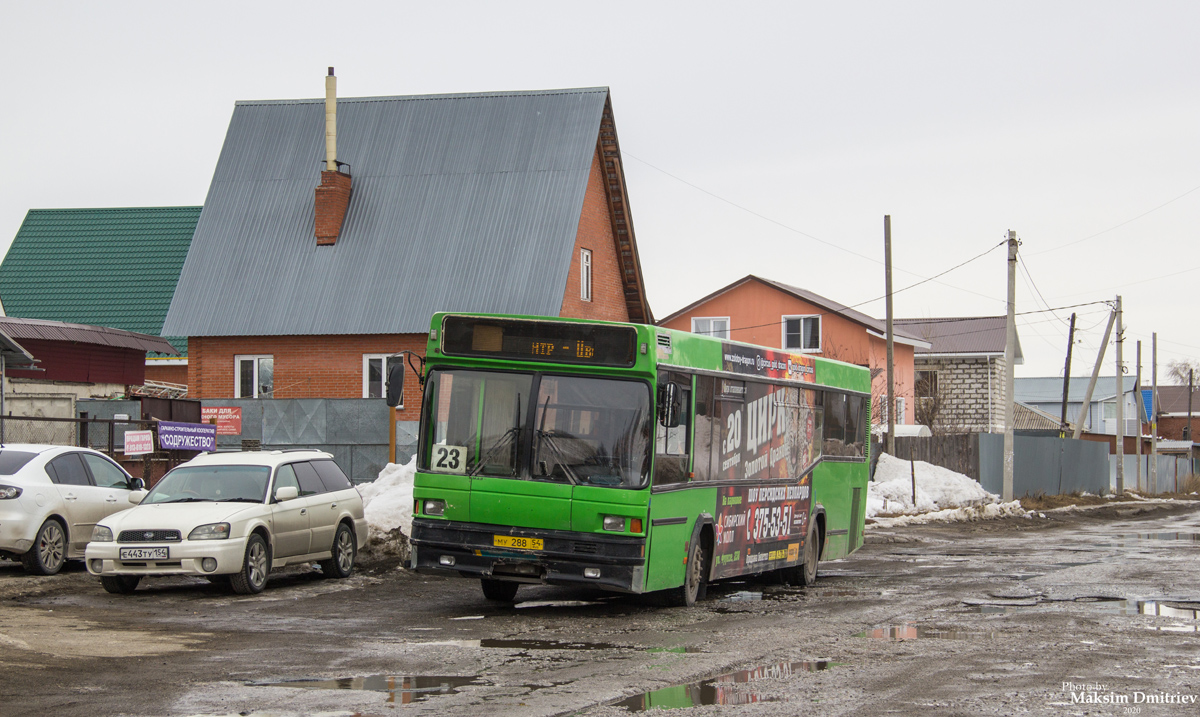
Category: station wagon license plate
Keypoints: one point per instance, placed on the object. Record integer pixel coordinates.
(512, 541)
(144, 553)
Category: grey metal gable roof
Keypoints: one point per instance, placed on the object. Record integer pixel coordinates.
(467, 202)
(966, 335)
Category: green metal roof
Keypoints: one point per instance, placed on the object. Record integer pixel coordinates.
(104, 267)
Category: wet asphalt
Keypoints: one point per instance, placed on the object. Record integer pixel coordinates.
(1020, 616)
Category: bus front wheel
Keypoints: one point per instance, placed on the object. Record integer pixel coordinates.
(499, 590)
(695, 578)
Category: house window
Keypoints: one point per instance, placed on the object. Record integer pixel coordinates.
(1110, 410)
(375, 375)
(585, 274)
(926, 384)
(802, 332)
(715, 326)
(883, 415)
(255, 376)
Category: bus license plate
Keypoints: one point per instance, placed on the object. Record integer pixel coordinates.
(512, 541)
(144, 553)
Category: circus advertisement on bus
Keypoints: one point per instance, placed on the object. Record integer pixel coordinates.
(766, 431)
(761, 527)
(768, 363)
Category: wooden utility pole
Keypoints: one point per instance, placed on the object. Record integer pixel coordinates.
(1189, 425)
(1062, 425)
(1153, 413)
(1087, 397)
(1120, 403)
(1137, 445)
(889, 403)
(1010, 353)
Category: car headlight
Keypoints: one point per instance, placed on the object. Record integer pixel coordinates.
(8, 492)
(100, 534)
(212, 531)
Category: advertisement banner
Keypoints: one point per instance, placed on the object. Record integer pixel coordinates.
(186, 436)
(228, 418)
(760, 528)
(768, 363)
(138, 443)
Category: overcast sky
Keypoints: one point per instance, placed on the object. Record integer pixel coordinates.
(764, 138)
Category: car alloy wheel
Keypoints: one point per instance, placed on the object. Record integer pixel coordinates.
(253, 575)
(49, 550)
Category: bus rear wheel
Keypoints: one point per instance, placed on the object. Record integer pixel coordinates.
(499, 590)
(812, 553)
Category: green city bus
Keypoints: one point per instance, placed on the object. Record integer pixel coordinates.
(631, 457)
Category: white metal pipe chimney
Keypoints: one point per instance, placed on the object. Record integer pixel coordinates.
(331, 122)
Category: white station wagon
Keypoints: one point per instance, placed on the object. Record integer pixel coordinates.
(232, 517)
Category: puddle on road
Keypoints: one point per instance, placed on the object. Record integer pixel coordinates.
(1161, 607)
(679, 650)
(1188, 537)
(547, 645)
(402, 689)
(720, 690)
(895, 633)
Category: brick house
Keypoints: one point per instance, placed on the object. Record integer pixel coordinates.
(959, 378)
(104, 267)
(299, 282)
(768, 313)
(1173, 412)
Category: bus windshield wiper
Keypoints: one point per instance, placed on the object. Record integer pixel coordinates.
(548, 436)
(512, 432)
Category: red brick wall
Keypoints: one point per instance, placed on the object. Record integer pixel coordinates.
(595, 233)
(305, 366)
(169, 374)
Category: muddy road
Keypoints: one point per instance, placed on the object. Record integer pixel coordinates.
(986, 618)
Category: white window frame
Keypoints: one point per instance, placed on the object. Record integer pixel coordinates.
(585, 274)
(710, 319)
(783, 333)
(366, 385)
(237, 373)
(884, 404)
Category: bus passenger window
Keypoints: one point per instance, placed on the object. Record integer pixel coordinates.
(835, 425)
(854, 426)
(708, 431)
(671, 442)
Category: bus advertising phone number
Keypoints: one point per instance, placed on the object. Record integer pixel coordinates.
(769, 523)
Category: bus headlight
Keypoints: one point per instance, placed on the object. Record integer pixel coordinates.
(614, 523)
(435, 507)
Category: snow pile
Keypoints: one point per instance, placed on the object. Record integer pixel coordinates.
(388, 502)
(942, 495)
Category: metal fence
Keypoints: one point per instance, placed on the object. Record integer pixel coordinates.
(1040, 464)
(106, 435)
(1173, 473)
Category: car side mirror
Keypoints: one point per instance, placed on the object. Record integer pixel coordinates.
(395, 384)
(136, 496)
(137, 484)
(287, 492)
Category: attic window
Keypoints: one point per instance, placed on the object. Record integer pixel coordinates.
(715, 326)
(802, 332)
(585, 274)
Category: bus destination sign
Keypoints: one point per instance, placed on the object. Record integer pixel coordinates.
(539, 341)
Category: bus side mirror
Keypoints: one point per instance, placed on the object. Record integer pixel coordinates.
(395, 384)
(670, 409)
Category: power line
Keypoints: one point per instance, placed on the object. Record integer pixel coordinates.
(798, 231)
(1117, 226)
(925, 281)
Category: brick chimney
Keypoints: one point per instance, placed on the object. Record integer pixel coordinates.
(333, 196)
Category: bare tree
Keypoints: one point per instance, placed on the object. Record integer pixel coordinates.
(1177, 370)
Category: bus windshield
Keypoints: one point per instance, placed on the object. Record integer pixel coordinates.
(582, 430)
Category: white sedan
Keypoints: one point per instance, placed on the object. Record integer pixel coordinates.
(51, 498)
(234, 517)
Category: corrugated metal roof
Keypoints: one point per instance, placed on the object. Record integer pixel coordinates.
(1043, 389)
(1026, 418)
(466, 202)
(100, 267)
(14, 353)
(19, 328)
(967, 335)
(1174, 399)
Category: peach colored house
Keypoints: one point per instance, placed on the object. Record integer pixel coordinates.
(768, 313)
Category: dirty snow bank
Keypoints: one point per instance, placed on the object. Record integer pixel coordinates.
(388, 502)
(942, 496)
